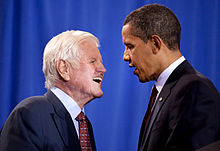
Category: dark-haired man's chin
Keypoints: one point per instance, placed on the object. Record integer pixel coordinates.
(143, 80)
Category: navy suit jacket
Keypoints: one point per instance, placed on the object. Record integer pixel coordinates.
(41, 123)
(186, 115)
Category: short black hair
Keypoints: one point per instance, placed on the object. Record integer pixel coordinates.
(155, 19)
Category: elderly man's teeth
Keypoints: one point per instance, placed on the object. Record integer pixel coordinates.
(97, 79)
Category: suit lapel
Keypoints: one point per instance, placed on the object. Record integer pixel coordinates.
(60, 125)
(161, 99)
(159, 104)
(63, 122)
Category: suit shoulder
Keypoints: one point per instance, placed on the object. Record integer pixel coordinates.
(34, 104)
(186, 73)
(198, 84)
(195, 77)
(32, 111)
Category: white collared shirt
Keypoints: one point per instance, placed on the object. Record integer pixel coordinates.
(166, 73)
(70, 104)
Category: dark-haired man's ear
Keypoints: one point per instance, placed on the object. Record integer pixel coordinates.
(63, 69)
(156, 40)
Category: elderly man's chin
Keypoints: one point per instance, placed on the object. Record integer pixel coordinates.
(98, 94)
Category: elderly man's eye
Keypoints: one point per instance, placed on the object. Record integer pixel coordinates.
(93, 61)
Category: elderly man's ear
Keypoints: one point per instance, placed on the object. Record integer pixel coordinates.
(63, 68)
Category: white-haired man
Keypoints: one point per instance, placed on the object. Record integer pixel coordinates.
(73, 69)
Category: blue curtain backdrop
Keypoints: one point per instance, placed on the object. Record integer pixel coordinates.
(27, 25)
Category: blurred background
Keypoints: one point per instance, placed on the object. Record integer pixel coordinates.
(27, 25)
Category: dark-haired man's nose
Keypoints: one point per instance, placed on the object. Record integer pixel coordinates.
(126, 56)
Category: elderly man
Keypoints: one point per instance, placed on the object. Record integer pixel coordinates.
(73, 69)
(184, 109)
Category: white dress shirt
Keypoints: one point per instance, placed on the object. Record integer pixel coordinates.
(166, 73)
(70, 104)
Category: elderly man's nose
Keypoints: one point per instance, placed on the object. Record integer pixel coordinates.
(101, 68)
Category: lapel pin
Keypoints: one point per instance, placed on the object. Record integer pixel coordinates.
(160, 99)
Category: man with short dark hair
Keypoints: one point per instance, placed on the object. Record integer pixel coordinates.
(184, 109)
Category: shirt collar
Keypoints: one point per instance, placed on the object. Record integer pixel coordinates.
(166, 73)
(69, 103)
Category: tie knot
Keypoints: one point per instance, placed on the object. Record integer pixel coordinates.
(81, 116)
(154, 91)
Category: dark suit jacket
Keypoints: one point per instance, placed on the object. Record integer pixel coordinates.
(211, 147)
(186, 115)
(41, 123)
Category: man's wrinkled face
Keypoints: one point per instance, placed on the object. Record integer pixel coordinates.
(139, 55)
(87, 78)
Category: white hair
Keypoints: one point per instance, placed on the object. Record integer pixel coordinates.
(63, 46)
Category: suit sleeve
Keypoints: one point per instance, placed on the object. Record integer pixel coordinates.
(199, 124)
(21, 131)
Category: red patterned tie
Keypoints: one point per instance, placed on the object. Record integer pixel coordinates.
(150, 105)
(83, 133)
